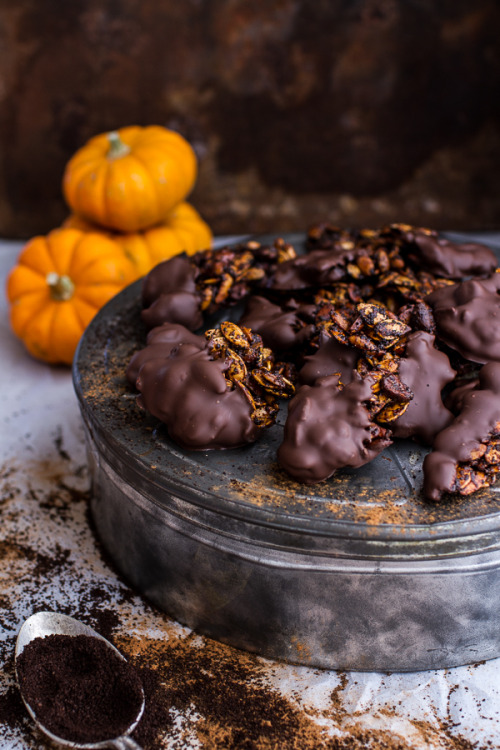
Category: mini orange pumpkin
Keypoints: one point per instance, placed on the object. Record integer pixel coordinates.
(182, 231)
(59, 283)
(131, 178)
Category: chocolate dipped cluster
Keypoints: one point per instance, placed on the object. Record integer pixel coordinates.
(375, 322)
(466, 454)
(330, 427)
(467, 315)
(217, 390)
(183, 290)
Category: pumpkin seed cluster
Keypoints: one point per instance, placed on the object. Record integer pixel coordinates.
(359, 309)
(251, 368)
(227, 275)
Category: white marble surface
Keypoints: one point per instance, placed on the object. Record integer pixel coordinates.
(43, 507)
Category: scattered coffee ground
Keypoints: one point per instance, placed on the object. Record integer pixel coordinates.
(234, 707)
(79, 688)
(198, 692)
(12, 709)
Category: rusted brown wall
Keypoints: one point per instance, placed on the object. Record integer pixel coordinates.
(362, 111)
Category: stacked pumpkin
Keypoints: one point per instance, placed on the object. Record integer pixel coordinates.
(127, 192)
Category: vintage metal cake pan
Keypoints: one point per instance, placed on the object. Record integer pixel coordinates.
(356, 573)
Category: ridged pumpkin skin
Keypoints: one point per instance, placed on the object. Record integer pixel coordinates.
(59, 283)
(129, 179)
(182, 231)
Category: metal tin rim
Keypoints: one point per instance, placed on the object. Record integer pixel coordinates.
(467, 533)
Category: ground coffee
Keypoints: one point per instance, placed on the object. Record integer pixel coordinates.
(78, 687)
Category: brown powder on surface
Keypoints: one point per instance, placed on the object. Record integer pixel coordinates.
(229, 704)
(226, 691)
(418, 733)
(196, 689)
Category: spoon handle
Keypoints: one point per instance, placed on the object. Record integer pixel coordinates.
(125, 743)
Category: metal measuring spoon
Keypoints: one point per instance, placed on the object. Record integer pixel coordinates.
(42, 624)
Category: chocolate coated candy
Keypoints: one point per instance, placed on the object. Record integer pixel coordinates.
(169, 294)
(426, 371)
(467, 317)
(328, 428)
(182, 385)
(371, 325)
(332, 356)
(161, 341)
(180, 290)
(188, 392)
(462, 458)
(318, 268)
(173, 275)
(450, 259)
(282, 329)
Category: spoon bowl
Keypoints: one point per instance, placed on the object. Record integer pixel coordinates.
(43, 624)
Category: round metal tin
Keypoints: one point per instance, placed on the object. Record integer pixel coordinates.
(357, 573)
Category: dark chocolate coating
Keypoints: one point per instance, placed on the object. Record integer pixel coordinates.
(177, 307)
(332, 356)
(454, 400)
(169, 295)
(327, 429)
(174, 333)
(317, 268)
(467, 317)
(426, 371)
(426, 250)
(183, 387)
(478, 418)
(281, 330)
(160, 343)
(452, 260)
(174, 275)
(189, 394)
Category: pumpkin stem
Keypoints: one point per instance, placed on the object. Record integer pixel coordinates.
(61, 287)
(117, 148)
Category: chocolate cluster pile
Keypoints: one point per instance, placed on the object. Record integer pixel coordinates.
(372, 334)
